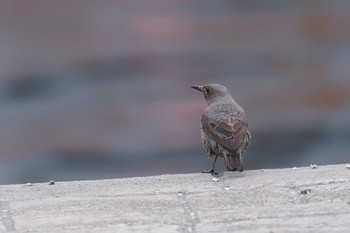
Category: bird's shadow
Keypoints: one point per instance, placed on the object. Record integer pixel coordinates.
(228, 174)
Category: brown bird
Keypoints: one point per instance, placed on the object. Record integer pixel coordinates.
(224, 128)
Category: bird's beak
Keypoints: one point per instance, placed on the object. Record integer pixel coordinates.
(198, 88)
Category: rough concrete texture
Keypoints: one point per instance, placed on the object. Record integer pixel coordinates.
(252, 201)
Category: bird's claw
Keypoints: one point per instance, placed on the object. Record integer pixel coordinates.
(211, 171)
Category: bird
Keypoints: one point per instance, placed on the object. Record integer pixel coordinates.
(224, 127)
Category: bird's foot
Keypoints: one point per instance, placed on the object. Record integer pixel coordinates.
(211, 171)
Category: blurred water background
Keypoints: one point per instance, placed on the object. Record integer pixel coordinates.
(101, 89)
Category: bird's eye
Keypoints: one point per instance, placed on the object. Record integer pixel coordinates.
(206, 91)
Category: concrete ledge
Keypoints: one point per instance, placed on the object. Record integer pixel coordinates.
(282, 200)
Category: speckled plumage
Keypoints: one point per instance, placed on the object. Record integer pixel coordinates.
(224, 128)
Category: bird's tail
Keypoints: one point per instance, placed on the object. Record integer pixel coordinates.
(234, 162)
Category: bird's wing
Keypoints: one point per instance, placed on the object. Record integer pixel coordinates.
(229, 131)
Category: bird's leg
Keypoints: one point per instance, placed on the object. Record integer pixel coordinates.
(211, 170)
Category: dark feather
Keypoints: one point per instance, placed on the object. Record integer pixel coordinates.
(231, 132)
(233, 163)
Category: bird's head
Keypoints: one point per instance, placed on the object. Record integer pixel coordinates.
(212, 92)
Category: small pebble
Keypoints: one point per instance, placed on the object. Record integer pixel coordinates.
(51, 182)
(215, 179)
(313, 166)
(305, 191)
(179, 194)
(294, 168)
(348, 166)
(29, 184)
(262, 170)
(227, 188)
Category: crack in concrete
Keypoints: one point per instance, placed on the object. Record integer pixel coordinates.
(292, 185)
(6, 217)
(191, 215)
(282, 217)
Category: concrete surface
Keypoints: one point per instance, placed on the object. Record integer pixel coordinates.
(252, 201)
